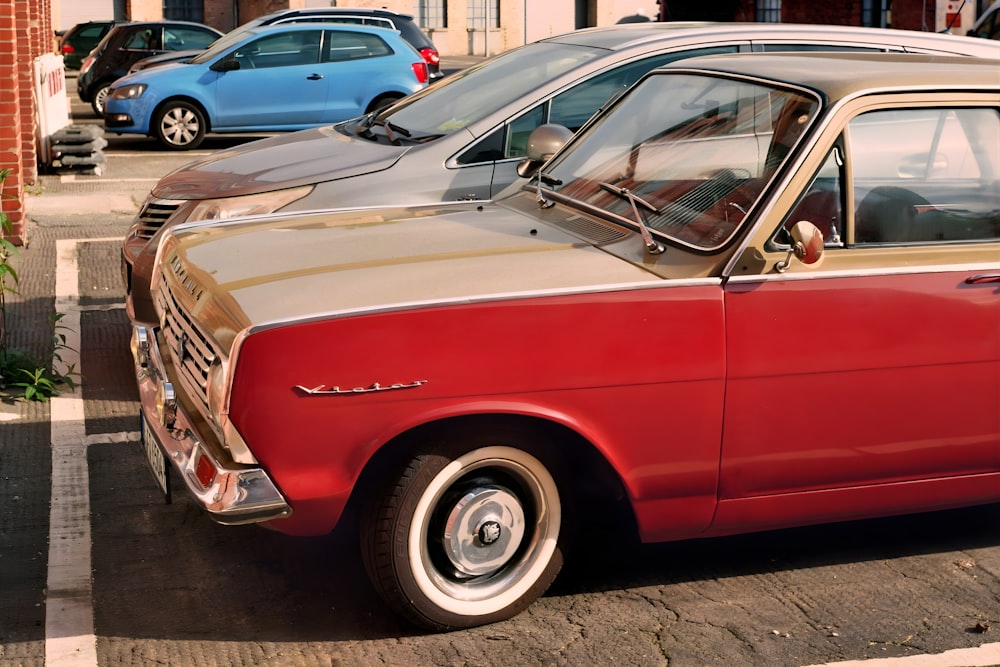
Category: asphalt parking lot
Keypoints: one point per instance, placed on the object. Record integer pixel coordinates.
(96, 570)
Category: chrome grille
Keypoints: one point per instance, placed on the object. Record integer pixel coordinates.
(192, 352)
(153, 215)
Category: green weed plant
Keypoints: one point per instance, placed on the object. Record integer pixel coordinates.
(19, 373)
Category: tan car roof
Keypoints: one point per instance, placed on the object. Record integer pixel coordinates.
(837, 75)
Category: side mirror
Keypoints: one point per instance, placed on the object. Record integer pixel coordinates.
(807, 245)
(543, 142)
(227, 64)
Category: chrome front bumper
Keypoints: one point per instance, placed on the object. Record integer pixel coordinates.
(230, 494)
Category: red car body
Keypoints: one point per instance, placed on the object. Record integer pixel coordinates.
(780, 342)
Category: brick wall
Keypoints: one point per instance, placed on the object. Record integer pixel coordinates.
(25, 33)
(10, 121)
(906, 14)
(219, 14)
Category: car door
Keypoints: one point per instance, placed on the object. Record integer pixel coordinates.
(279, 83)
(870, 380)
(359, 66)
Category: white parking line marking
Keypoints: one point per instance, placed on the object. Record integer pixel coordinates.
(69, 614)
(987, 655)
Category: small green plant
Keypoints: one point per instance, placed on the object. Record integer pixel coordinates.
(8, 275)
(34, 381)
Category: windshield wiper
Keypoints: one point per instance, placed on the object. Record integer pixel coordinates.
(391, 130)
(652, 247)
(548, 180)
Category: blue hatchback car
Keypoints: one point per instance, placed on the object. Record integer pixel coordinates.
(276, 78)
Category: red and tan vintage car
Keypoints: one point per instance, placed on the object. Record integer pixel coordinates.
(758, 291)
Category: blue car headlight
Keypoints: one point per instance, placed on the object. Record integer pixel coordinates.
(130, 92)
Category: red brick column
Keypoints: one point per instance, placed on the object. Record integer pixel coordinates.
(25, 55)
(11, 144)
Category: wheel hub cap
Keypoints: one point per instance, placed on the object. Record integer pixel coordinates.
(484, 530)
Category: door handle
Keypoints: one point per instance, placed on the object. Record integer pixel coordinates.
(983, 278)
(314, 77)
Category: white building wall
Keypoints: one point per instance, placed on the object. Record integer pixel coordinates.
(67, 13)
(544, 19)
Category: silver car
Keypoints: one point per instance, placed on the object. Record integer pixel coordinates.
(462, 139)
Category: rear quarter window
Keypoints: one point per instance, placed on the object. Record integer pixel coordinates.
(343, 46)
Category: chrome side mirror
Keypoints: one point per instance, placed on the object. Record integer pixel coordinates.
(543, 142)
(807, 245)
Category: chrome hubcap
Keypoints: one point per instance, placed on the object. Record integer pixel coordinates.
(180, 126)
(484, 530)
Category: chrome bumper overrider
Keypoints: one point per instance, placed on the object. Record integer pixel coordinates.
(231, 495)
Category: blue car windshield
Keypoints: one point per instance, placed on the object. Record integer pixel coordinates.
(469, 96)
(221, 45)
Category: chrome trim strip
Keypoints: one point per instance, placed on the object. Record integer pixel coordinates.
(862, 273)
(236, 495)
(658, 283)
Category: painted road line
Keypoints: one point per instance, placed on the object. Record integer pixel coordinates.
(69, 612)
(987, 655)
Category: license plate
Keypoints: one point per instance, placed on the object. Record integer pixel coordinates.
(154, 455)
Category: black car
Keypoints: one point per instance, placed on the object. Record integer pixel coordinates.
(380, 18)
(78, 41)
(126, 43)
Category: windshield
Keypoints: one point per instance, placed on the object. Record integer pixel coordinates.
(696, 149)
(221, 45)
(469, 96)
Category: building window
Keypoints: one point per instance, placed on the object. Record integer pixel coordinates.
(433, 14)
(874, 13)
(184, 10)
(769, 11)
(478, 10)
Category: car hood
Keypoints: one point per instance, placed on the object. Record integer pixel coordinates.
(278, 269)
(285, 161)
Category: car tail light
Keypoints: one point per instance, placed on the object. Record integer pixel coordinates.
(420, 69)
(87, 63)
(67, 48)
(430, 56)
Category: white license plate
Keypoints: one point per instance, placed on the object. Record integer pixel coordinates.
(154, 455)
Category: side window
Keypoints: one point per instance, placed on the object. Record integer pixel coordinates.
(178, 39)
(575, 106)
(990, 27)
(821, 203)
(925, 175)
(92, 31)
(283, 49)
(342, 45)
(518, 131)
(142, 40)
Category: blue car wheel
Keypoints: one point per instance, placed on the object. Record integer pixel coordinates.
(179, 125)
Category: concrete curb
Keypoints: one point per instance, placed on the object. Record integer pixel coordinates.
(79, 203)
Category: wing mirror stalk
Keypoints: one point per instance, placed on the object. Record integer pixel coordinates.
(807, 245)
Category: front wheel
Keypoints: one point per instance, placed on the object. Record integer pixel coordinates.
(99, 98)
(468, 535)
(179, 125)
(382, 101)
